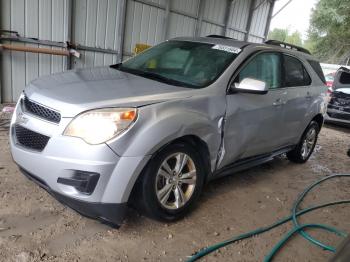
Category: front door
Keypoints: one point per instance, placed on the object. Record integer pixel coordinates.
(253, 123)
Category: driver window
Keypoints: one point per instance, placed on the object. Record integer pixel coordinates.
(265, 67)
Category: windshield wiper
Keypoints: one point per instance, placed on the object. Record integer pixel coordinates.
(159, 77)
(151, 75)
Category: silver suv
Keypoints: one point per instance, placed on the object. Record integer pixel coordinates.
(154, 129)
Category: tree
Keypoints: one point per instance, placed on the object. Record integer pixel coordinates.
(329, 32)
(278, 34)
(284, 36)
(295, 38)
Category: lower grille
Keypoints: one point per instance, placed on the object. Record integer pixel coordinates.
(339, 116)
(30, 139)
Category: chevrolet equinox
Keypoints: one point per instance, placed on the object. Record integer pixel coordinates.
(151, 131)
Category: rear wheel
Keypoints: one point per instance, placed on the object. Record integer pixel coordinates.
(302, 152)
(171, 183)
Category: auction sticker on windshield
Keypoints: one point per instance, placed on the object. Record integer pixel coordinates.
(230, 49)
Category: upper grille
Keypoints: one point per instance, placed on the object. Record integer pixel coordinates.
(30, 139)
(41, 111)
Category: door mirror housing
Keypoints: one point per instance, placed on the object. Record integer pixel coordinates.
(250, 85)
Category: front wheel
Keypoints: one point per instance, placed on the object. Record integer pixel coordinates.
(302, 152)
(171, 183)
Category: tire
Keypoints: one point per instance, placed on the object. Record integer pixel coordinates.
(302, 152)
(156, 178)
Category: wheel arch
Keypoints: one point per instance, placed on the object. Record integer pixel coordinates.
(192, 140)
(200, 144)
(319, 119)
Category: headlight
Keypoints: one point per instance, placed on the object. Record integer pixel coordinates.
(100, 125)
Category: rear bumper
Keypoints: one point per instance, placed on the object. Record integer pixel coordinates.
(109, 213)
(337, 116)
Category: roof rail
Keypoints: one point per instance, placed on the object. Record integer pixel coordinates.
(220, 36)
(288, 46)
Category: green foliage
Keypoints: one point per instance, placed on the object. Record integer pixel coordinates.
(285, 36)
(278, 34)
(329, 32)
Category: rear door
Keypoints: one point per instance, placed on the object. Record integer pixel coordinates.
(299, 96)
(254, 121)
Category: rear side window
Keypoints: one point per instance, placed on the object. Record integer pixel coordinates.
(316, 66)
(295, 72)
(345, 78)
(264, 67)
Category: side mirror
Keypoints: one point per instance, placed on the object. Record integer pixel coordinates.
(250, 85)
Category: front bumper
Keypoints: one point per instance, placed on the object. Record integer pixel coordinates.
(109, 213)
(63, 157)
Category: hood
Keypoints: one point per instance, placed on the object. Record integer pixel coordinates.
(79, 90)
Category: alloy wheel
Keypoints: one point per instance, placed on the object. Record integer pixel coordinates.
(176, 181)
(308, 143)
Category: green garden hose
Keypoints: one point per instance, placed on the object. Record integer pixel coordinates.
(297, 227)
(296, 205)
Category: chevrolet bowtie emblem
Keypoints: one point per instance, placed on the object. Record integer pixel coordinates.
(21, 119)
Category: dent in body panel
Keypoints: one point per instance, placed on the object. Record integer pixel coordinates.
(222, 151)
(162, 123)
(252, 125)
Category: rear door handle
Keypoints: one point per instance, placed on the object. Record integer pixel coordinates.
(308, 96)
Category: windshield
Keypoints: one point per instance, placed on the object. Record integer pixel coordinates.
(182, 63)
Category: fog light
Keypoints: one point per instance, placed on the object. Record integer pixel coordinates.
(83, 181)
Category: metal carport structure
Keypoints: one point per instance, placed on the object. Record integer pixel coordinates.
(106, 31)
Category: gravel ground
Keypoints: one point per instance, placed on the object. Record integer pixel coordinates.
(35, 227)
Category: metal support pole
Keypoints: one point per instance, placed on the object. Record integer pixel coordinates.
(250, 17)
(227, 16)
(68, 36)
(200, 12)
(0, 80)
(166, 19)
(121, 28)
(1, 71)
(269, 18)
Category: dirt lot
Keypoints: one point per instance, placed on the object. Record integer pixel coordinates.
(35, 227)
